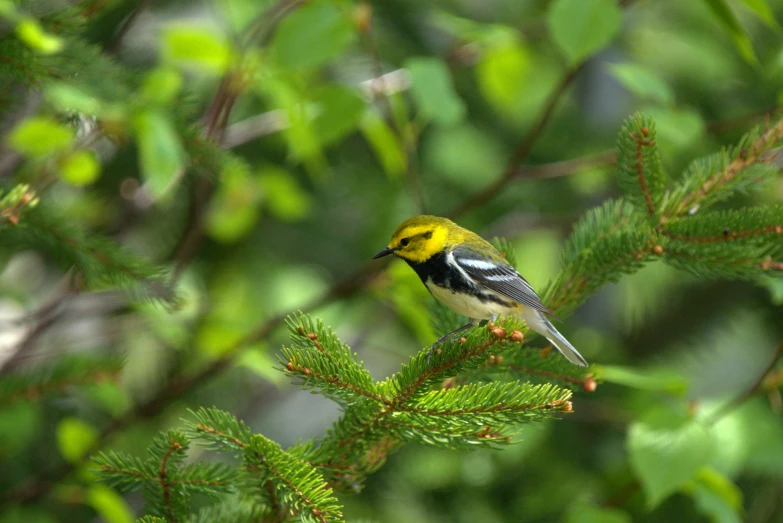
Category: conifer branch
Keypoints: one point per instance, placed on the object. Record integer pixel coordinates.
(749, 152)
(586, 382)
(174, 446)
(73, 371)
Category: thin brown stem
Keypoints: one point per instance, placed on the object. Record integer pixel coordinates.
(164, 483)
(747, 394)
(114, 45)
(525, 147)
(750, 156)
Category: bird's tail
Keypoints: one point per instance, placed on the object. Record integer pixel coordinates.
(538, 322)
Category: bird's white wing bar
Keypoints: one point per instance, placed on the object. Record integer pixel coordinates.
(502, 279)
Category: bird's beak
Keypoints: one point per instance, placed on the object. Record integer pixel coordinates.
(385, 252)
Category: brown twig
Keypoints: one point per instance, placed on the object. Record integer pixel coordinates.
(47, 316)
(726, 236)
(524, 148)
(163, 477)
(114, 44)
(641, 143)
(749, 157)
(747, 394)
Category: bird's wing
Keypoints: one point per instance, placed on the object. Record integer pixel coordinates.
(498, 276)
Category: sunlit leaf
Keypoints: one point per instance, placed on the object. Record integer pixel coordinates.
(236, 206)
(433, 91)
(39, 136)
(643, 82)
(303, 142)
(583, 27)
(678, 128)
(75, 438)
(201, 48)
(286, 199)
(340, 110)
(160, 151)
(463, 155)
(311, 36)
(258, 360)
(762, 9)
(667, 449)
(67, 97)
(716, 496)
(644, 380)
(80, 168)
(161, 85)
(110, 505)
(384, 142)
(502, 72)
(32, 34)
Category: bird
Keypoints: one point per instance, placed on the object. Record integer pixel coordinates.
(468, 275)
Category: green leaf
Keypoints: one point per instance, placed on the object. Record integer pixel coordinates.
(582, 513)
(67, 97)
(160, 151)
(729, 21)
(311, 36)
(287, 94)
(241, 13)
(16, 513)
(257, 359)
(761, 9)
(284, 197)
(75, 438)
(662, 380)
(643, 82)
(199, 48)
(80, 168)
(7, 9)
(111, 506)
(384, 143)
(235, 209)
(678, 128)
(27, 420)
(31, 33)
(433, 91)
(161, 85)
(775, 288)
(716, 496)
(583, 27)
(341, 110)
(39, 136)
(502, 72)
(667, 449)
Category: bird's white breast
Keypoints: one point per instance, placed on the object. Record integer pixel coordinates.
(467, 304)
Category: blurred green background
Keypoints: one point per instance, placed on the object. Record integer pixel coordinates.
(326, 162)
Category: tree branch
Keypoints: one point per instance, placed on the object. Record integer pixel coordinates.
(753, 389)
(746, 159)
(163, 477)
(525, 147)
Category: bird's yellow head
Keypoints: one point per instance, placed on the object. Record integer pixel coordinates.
(419, 238)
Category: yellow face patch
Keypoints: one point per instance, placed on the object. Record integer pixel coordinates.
(418, 243)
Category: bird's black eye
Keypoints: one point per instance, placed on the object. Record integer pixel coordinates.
(405, 241)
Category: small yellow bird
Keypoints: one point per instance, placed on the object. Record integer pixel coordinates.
(468, 275)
